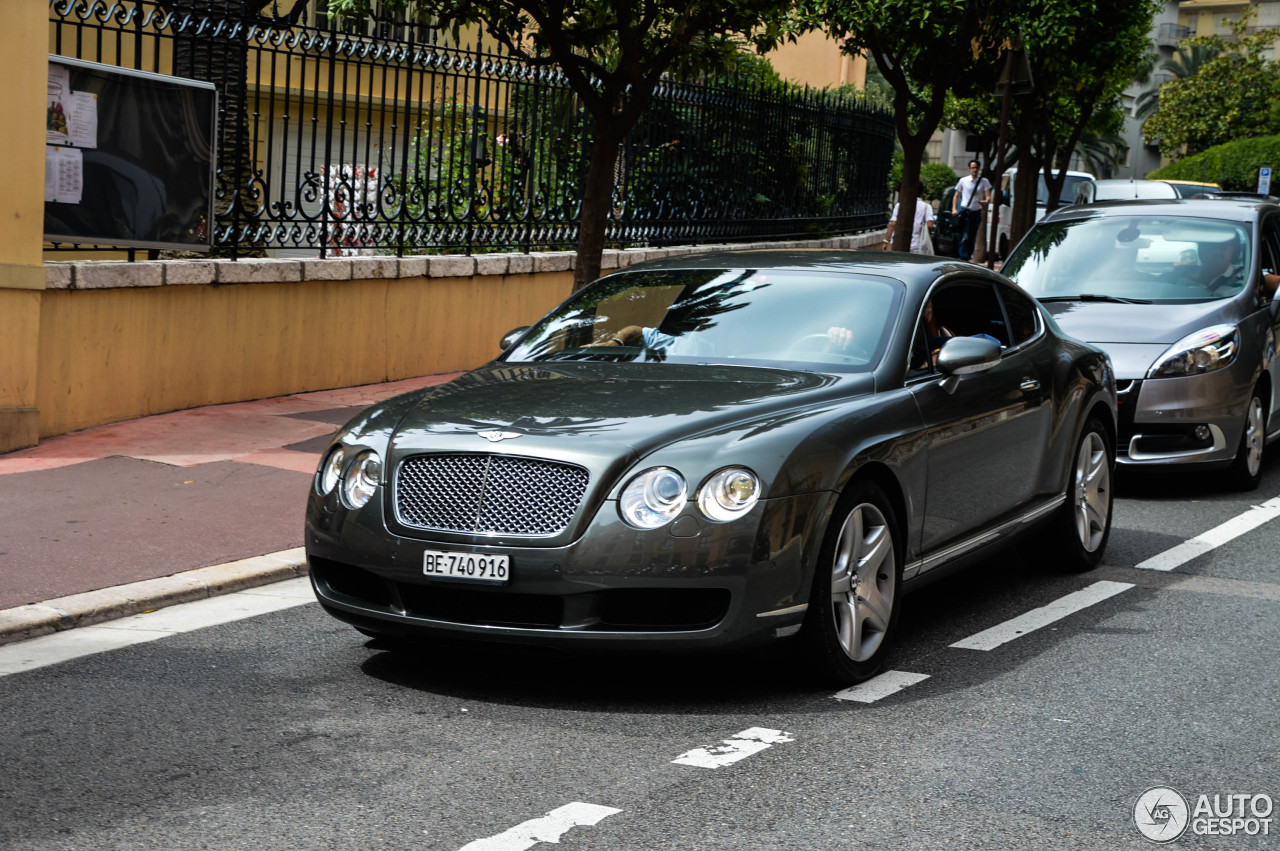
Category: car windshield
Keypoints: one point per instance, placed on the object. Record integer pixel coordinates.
(751, 317)
(1150, 258)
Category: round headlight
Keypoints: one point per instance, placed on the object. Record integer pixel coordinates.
(652, 498)
(729, 494)
(362, 479)
(330, 471)
(1207, 350)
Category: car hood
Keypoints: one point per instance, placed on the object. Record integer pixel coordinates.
(604, 411)
(1101, 323)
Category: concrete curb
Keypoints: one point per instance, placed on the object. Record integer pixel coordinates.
(63, 613)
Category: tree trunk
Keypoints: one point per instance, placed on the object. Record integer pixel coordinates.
(907, 200)
(1025, 189)
(223, 62)
(597, 200)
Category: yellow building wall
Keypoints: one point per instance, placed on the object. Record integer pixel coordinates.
(99, 350)
(22, 103)
(815, 59)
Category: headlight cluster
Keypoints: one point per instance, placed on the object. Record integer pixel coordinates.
(1204, 351)
(654, 497)
(358, 480)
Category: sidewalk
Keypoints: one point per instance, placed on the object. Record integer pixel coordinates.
(133, 516)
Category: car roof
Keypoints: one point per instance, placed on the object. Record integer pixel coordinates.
(1125, 188)
(1070, 173)
(1208, 207)
(909, 268)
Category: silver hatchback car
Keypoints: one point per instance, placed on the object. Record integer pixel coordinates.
(1180, 294)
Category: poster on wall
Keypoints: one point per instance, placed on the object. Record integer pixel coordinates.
(130, 157)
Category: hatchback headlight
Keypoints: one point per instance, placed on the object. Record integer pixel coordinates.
(729, 494)
(653, 498)
(362, 479)
(330, 471)
(1204, 351)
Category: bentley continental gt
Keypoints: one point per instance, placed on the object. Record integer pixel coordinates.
(727, 449)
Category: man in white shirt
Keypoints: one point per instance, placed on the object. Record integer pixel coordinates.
(973, 192)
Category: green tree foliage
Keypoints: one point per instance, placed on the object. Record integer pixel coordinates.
(1082, 54)
(1185, 62)
(613, 55)
(1233, 165)
(1235, 93)
(924, 50)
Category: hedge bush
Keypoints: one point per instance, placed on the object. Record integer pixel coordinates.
(1233, 166)
(937, 178)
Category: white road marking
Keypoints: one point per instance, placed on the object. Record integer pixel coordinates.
(731, 750)
(990, 639)
(1215, 537)
(549, 828)
(135, 629)
(881, 686)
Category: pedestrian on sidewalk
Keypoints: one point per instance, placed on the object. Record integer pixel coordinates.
(973, 193)
(921, 226)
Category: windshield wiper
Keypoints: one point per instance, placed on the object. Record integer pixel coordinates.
(1096, 297)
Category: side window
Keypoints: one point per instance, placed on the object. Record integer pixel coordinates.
(969, 310)
(1024, 317)
(957, 309)
(1270, 257)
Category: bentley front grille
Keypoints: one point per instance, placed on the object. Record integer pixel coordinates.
(488, 494)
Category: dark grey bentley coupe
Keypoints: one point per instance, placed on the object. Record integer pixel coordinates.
(721, 449)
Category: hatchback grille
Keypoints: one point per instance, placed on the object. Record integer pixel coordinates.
(488, 494)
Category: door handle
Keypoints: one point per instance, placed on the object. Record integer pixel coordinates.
(1029, 385)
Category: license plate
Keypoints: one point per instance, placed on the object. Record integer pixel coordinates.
(473, 567)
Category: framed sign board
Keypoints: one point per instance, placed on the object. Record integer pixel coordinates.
(130, 157)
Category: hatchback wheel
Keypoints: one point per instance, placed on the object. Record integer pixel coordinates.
(1246, 470)
(857, 587)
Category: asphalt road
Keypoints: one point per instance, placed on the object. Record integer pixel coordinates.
(290, 731)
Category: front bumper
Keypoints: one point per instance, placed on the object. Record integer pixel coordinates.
(1177, 423)
(689, 584)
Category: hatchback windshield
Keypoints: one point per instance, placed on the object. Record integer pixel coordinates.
(829, 321)
(1133, 258)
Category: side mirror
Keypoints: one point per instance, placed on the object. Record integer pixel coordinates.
(509, 339)
(963, 355)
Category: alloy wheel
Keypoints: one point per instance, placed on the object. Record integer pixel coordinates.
(863, 582)
(1092, 491)
(1253, 436)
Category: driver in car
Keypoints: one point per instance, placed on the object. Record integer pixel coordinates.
(1216, 268)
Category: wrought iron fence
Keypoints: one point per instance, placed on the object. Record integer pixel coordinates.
(384, 138)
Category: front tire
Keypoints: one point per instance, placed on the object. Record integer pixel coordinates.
(857, 588)
(1083, 524)
(1246, 470)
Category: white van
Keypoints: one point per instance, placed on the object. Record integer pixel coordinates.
(1069, 186)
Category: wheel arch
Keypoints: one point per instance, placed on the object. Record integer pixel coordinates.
(879, 474)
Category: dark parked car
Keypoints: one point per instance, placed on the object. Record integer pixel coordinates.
(1175, 292)
(721, 450)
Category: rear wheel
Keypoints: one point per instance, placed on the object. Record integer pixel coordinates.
(1083, 524)
(857, 588)
(1246, 470)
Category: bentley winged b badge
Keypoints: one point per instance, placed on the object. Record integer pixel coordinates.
(493, 435)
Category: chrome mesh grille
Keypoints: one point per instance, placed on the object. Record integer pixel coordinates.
(492, 494)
